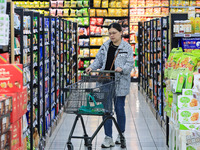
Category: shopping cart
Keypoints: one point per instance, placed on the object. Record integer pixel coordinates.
(91, 96)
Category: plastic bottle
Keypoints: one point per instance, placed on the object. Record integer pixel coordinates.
(197, 24)
(193, 24)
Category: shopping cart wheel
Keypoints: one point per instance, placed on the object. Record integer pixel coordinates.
(70, 146)
(89, 148)
(123, 144)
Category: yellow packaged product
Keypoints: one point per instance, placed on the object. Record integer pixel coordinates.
(111, 12)
(80, 3)
(124, 12)
(125, 3)
(192, 2)
(92, 12)
(99, 12)
(31, 4)
(42, 4)
(46, 4)
(73, 12)
(67, 3)
(198, 2)
(172, 3)
(99, 41)
(118, 4)
(105, 12)
(96, 3)
(112, 4)
(73, 4)
(104, 4)
(37, 4)
(65, 12)
(46, 13)
(107, 22)
(25, 5)
(118, 12)
(157, 2)
(93, 41)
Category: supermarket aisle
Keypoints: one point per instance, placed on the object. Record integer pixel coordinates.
(142, 130)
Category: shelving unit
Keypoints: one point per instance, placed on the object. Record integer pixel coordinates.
(153, 51)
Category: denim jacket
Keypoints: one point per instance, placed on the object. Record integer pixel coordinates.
(123, 60)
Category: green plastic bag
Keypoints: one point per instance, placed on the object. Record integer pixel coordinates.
(95, 110)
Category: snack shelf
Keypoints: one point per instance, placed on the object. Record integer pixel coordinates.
(151, 54)
(68, 7)
(184, 6)
(148, 15)
(149, 6)
(109, 8)
(187, 35)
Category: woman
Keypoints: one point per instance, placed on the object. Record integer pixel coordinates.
(123, 64)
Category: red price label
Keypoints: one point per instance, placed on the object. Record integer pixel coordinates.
(187, 35)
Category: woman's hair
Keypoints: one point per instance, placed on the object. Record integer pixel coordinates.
(117, 26)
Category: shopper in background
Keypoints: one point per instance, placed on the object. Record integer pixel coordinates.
(123, 65)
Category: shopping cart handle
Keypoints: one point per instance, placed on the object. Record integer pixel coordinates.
(104, 71)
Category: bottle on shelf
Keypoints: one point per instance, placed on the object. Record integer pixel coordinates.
(197, 24)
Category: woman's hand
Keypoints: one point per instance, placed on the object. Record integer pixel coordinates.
(88, 70)
(118, 69)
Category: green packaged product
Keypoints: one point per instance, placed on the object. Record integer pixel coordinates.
(179, 83)
(189, 81)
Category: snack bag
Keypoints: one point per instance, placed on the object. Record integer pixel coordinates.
(80, 21)
(67, 3)
(80, 3)
(98, 31)
(93, 21)
(125, 12)
(189, 81)
(112, 4)
(111, 12)
(93, 41)
(99, 21)
(96, 3)
(54, 4)
(99, 41)
(170, 65)
(65, 12)
(105, 13)
(179, 83)
(105, 38)
(99, 12)
(104, 31)
(85, 12)
(86, 3)
(73, 13)
(59, 12)
(86, 21)
(118, 12)
(125, 3)
(92, 12)
(59, 3)
(92, 30)
(73, 4)
(118, 4)
(79, 12)
(104, 4)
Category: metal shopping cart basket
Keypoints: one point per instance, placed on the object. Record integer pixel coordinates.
(91, 96)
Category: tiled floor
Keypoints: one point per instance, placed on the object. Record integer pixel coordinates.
(142, 130)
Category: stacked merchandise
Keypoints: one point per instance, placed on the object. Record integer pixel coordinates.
(140, 11)
(72, 10)
(40, 6)
(13, 106)
(184, 5)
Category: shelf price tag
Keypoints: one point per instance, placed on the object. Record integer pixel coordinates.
(187, 35)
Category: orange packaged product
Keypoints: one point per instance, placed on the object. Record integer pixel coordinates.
(141, 3)
(133, 3)
(157, 11)
(164, 11)
(133, 11)
(197, 10)
(157, 2)
(99, 12)
(149, 3)
(165, 3)
(198, 2)
(11, 78)
(141, 11)
(149, 11)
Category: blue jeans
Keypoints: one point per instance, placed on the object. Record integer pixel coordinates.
(119, 103)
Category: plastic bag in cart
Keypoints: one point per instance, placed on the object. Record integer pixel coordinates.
(97, 109)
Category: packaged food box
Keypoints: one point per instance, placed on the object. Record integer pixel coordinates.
(189, 126)
(5, 104)
(24, 100)
(188, 102)
(15, 114)
(5, 141)
(187, 92)
(174, 115)
(4, 124)
(4, 58)
(188, 116)
(2, 106)
(15, 134)
(11, 78)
